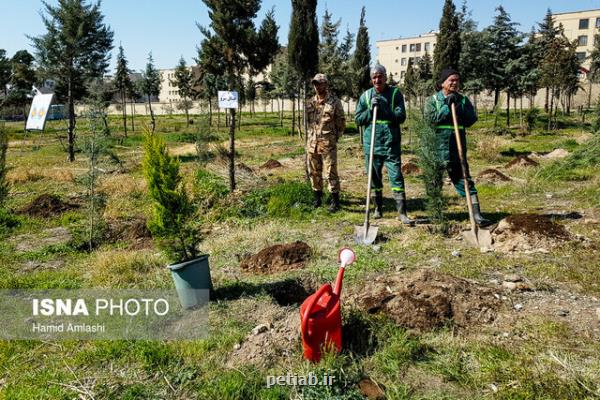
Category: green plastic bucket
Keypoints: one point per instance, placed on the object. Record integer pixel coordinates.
(192, 281)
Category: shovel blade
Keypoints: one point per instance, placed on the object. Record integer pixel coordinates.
(365, 236)
(482, 239)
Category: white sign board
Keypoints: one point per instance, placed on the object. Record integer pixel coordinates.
(39, 111)
(228, 99)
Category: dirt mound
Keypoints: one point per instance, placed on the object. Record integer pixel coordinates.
(492, 176)
(278, 337)
(133, 231)
(243, 167)
(556, 154)
(522, 161)
(277, 258)
(410, 168)
(270, 164)
(529, 233)
(425, 300)
(47, 205)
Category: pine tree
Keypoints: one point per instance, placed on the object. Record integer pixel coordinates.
(547, 35)
(361, 60)
(472, 62)
(330, 57)
(21, 80)
(593, 75)
(447, 50)
(4, 72)
(410, 81)
(345, 50)
(233, 46)
(150, 86)
(425, 82)
(123, 83)
(74, 51)
(183, 81)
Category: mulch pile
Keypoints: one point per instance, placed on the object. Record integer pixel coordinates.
(47, 205)
(133, 231)
(410, 168)
(271, 164)
(492, 175)
(277, 258)
(425, 300)
(529, 233)
(522, 161)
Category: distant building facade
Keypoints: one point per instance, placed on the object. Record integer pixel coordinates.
(394, 54)
(581, 26)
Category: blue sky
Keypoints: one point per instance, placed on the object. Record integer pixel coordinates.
(168, 27)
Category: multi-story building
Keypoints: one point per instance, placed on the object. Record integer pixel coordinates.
(394, 54)
(581, 26)
(168, 90)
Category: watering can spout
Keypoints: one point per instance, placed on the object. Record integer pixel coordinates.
(346, 257)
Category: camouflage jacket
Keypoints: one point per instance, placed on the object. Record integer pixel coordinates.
(326, 123)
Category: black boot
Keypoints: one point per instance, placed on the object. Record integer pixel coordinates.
(378, 200)
(400, 198)
(334, 205)
(479, 219)
(318, 197)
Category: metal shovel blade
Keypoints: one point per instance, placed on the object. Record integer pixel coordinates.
(364, 235)
(481, 238)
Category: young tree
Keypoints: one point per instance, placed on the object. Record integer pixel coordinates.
(183, 81)
(330, 59)
(100, 95)
(285, 81)
(123, 84)
(447, 51)
(547, 35)
(4, 72)
(74, 51)
(425, 82)
(150, 86)
(473, 47)
(234, 47)
(410, 81)
(593, 75)
(21, 80)
(361, 61)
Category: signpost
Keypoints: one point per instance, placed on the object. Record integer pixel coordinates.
(228, 99)
(39, 112)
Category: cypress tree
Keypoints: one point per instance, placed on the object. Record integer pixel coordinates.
(547, 35)
(447, 50)
(122, 83)
(150, 86)
(4, 72)
(74, 51)
(361, 60)
(410, 81)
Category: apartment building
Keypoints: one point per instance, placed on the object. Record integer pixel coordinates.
(581, 26)
(394, 54)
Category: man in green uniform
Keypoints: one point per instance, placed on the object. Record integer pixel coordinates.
(326, 124)
(439, 114)
(390, 114)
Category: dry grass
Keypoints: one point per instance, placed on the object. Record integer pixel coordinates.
(489, 147)
(33, 174)
(122, 191)
(127, 269)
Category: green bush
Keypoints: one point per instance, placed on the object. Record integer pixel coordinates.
(531, 116)
(289, 199)
(7, 220)
(208, 188)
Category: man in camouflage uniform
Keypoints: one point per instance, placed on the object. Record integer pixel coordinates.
(326, 124)
(390, 114)
(438, 113)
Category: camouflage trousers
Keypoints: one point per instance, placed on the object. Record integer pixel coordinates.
(316, 162)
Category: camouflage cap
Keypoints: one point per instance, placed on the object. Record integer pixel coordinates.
(319, 78)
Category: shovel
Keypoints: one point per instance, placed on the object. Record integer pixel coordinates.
(476, 236)
(366, 234)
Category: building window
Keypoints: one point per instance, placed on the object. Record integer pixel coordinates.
(418, 47)
(404, 48)
(427, 46)
(403, 61)
(582, 40)
(584, 23)
(402, 73)
(413, 47)
(580, 55)
(597, 22)
(396, 61)
(396, 47)
(411, 60)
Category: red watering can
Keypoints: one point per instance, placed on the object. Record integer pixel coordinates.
(321, 314)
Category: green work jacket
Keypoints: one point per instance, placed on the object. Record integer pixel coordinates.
(390, 114)
(438, 114)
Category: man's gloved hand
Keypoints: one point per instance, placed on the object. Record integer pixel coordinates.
(374, 101)
(452, 98)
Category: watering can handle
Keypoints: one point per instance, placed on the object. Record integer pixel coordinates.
(325, 288)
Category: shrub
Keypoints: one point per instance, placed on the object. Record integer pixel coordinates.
(208, 188)
(531, 116)
(489, 147)
(171, 221)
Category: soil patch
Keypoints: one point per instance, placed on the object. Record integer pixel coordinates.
(529, 233)
(291, 291)
(426, 299)
(556, 154)
(133, 231)
(48, 237)
(47, 205)
(522, 161)
(492, 175)
(243, 167)
(278, 336)
(410, 168)
(271, 164)
(277, 258)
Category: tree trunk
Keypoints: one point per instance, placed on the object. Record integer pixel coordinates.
(132, 115)
(293, 116)
(232, 151)
(187, 113)
(71, 133)
(152, 120)
(306, 172)
(589, 99)
(496, 97)
(209, 112)
(507, 110)
(124, 105)
(550, 110)
(547, 100)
